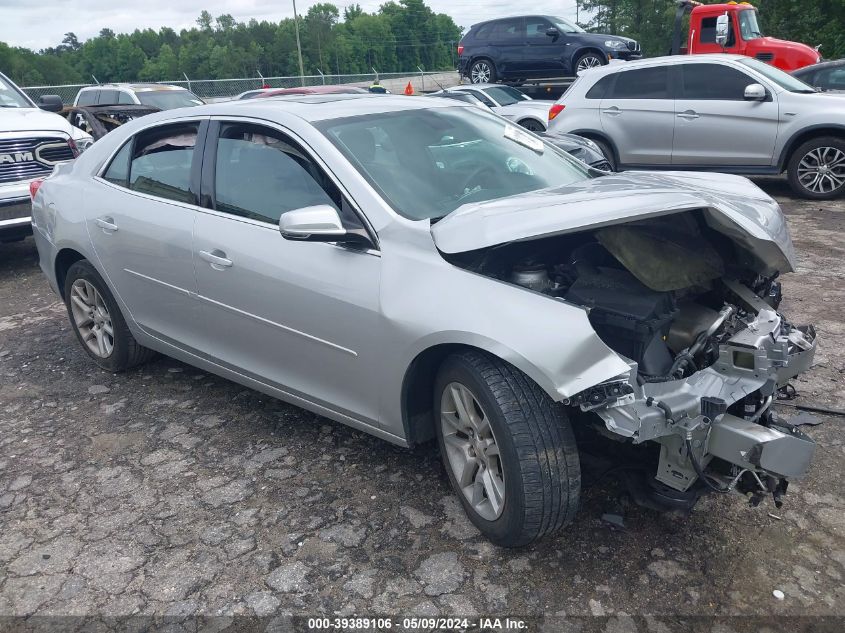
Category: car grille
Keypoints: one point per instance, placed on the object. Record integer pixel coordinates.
(633, 46)
(765, 57)
(27, 158)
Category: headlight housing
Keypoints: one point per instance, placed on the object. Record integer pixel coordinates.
(615, 44)
(83, 143)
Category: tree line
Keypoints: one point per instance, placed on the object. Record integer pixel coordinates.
(650, 22)
(399, 37)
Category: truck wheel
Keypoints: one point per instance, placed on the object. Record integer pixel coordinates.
(589, 60)
(482, 71)
(816, 170)
(97, 321)
(508, 449)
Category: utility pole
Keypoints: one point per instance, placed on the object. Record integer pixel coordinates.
(298, 45)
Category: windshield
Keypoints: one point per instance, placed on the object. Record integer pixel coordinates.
(428, 162)
(748, 25)
(782, 79)
(565, 26)
(505, 95)
(169, 99)
(10, 97)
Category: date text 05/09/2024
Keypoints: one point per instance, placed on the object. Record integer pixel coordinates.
(420, 623)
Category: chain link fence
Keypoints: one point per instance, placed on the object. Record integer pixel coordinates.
(221, 89)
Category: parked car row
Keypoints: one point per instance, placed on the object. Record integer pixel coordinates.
(548, 299)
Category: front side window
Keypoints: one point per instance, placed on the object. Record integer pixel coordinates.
(645, 83)
(713, 81)
(708, 32)
(261, 173)
(535, 29)
(161, 162)
(565, 26)
(445, 157)
(831, 78)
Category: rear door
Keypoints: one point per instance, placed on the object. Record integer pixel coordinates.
(507, 39)
(144, 206)
(715, 125)
(638, 114)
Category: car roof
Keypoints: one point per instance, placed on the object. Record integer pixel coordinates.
(314, 108)
(611, 68)
(829, 64)
(136, 87)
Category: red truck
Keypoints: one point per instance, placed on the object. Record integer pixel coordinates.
(744, 36)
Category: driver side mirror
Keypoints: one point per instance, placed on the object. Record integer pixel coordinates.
(722, 27)
(50, 103)
(553, 33)
(755, 92)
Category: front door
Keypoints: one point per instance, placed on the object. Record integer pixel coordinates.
(299, 316)
(142, 225)
(715, 125)
(638, 115)
(543, 55)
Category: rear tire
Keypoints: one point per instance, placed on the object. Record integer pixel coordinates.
(607, 150)
(483, 71)
(532, 125)
(521, 443)
(97, 321)
(816, 170)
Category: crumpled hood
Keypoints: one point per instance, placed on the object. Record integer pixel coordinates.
(732, 205)
(15, 120)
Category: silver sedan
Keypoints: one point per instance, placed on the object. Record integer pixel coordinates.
(418, 269)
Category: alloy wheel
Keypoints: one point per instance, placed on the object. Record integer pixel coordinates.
(822, 170)
(472, 451)
(480, 73)
(588, 61)
(91, 317)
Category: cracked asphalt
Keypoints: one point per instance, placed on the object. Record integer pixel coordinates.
(169, 491)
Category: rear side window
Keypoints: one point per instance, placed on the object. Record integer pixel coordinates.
(483, 32)
(118, 171)
(645, 83)
(87, 98)
(601, 87)
(507, 30)
(260, 174)
(713, 81)
(161, 162)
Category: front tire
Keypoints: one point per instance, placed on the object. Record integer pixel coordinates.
(97, 321)
(816, 170)
(483, 71)
(508, 449)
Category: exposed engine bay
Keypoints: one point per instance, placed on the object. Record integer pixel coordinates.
(690, 311)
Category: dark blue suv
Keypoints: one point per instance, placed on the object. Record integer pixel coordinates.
(536, 47)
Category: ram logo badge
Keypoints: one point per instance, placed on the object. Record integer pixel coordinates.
(17, 157)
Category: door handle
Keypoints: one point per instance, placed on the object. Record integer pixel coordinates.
(216, 258)
(612, 111)
(107, 224)
(689, 115)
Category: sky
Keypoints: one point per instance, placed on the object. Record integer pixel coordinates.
(38, 24)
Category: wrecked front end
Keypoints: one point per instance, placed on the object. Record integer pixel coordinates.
(689, 298)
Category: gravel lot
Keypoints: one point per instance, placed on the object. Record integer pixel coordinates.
(170, 491)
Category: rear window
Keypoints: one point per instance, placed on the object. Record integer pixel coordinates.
(87, 98)
(601, 87)
(644, 83)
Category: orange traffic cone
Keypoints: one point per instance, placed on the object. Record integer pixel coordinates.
(409, 89)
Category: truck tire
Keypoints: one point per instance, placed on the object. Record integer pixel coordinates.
(507, 447)
(483, 71)
(816, 169)
(97, 321)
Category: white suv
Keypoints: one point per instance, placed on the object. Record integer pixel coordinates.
(710, 112)
(161, 96)
(32, 142)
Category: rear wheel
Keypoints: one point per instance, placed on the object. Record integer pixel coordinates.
(532, 125)
(589, 60)
(508, 449)
(97, 321)
(607, 150)
(816, 169)
(482, 71)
